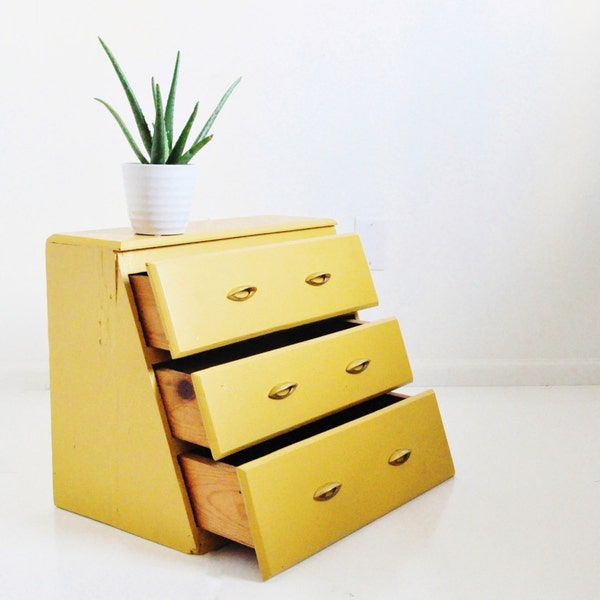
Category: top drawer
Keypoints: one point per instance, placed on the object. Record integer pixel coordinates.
(193, 303)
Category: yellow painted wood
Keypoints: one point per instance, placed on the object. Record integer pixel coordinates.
(136, 261)
(112, 460)
(197, 232)
(288, 524)
(191, 292)
(136, 264)
(234, 397)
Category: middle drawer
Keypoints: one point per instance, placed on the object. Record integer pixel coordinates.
(230, 398)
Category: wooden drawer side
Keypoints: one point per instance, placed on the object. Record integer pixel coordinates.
(308, 488)
(181, 406)
(216, 498)
(154, 332)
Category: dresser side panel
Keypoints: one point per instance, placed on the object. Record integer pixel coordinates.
(111, 457)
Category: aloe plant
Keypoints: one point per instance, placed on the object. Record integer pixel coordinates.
(160, 144)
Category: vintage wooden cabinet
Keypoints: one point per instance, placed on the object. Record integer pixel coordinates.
(219, 385)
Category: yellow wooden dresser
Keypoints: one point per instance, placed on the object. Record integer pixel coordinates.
(219, 385)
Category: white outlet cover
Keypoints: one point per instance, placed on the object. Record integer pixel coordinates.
(373, 235)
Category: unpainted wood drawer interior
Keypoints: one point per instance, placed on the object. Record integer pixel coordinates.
(152, 327)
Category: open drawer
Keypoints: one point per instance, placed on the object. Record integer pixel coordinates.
(233, 397)
(292, 496)
(193, 303)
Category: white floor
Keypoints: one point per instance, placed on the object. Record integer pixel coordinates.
(521, 519)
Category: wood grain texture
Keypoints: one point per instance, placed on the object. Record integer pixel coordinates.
(149, 316)
(216, 497)
(181, 406)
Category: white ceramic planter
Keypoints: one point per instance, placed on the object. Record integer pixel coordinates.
(159, 197)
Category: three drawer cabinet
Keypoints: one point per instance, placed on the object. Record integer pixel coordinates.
(219, 385)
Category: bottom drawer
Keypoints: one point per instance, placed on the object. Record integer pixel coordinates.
(291, 496)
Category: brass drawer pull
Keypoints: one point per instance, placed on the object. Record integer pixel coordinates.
(244, 292)
(358, 366)
(399, 457)
(327, 491)
(283, 390)
(320, 278)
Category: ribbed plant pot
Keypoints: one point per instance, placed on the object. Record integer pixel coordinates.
(159, 197)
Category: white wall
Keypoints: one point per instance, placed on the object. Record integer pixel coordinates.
(472, 128)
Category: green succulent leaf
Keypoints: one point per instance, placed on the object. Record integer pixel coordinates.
(159, 150)
(202, 135)
(177, 150)
(160, 142)
(140, 120)
(194, 150)
(125, 131)
(170, 107)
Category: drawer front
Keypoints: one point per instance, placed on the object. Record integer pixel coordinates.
(249, 400)
(209, 300)
(304, 497)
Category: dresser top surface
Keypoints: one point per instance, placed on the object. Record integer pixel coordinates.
(123, 239)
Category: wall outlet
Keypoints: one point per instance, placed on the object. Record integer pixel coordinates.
(373, 235)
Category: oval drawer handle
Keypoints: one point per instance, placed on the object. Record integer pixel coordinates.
(319, 278)
(244, 292)
(399, 457)
(358, 366)
(283, 390)
(327, 491)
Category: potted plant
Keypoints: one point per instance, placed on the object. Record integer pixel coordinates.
(159, 189)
